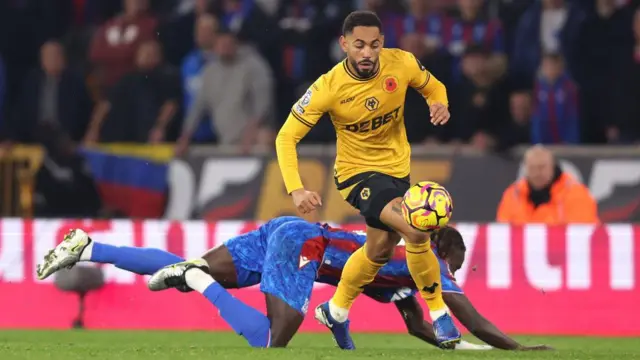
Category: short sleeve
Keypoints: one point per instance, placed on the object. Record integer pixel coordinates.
(449, 283)
(314, 103)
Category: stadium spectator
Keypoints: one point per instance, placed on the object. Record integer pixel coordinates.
(546, 194)
(509, 13)
(192, 67)
(477, 101)
(237, 92)
(51, 93)
(624, 126)
(114, 45)
(555, 113)
(548, 26)
(306, 31)
(251, 24)
(176, 35)
(420, 19)
(64, 187)
(142, 105)
(517, 130)
(471, 26)
(416, 108)
(609, 26)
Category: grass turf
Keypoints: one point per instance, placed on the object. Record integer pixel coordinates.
(152, 345)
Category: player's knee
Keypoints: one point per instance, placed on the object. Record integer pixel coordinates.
(416, 237)
(380, 250)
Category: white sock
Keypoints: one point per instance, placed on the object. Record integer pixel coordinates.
(437, 313)
(86, 252)
(198, 280)
(337, 313)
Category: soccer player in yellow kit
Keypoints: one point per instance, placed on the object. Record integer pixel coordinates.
(364, 95)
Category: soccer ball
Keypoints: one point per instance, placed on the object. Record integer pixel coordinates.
(427, 206)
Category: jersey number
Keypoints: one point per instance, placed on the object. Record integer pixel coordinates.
(370, 125)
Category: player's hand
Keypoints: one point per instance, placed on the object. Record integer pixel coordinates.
(537, 348)
(306, 201)
(439, 114)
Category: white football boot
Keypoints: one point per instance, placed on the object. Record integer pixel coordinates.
(172, 276)
(65, 255)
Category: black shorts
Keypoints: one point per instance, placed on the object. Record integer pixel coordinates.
(372, 193)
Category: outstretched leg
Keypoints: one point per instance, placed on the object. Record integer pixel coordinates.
(77, 246)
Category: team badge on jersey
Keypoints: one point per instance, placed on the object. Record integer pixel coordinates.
(371, 103)
(390, 84)
(365, 193)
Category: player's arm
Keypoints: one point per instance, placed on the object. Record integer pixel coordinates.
(431, 89)
(477, 324)
(413, 317)
(303, 116)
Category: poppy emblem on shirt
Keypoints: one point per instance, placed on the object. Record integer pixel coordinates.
(390, 84)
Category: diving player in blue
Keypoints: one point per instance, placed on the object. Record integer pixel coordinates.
(285, 256)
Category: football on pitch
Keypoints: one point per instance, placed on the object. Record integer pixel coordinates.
(427, 206)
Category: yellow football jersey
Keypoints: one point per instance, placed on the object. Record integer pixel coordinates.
(368, 116)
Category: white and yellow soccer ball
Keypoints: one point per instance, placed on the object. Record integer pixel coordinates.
(427, 206)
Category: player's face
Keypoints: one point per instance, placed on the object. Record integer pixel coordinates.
(363, 47)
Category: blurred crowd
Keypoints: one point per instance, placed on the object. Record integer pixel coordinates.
(228, 71)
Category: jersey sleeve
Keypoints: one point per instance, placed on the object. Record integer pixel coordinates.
(424, 82)
(449, 283)
(304, 114)
(313, 104)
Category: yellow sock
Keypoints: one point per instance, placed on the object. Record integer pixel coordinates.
(425, 271)
(358, 272)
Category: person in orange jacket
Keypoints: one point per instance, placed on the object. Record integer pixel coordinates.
(546, 195)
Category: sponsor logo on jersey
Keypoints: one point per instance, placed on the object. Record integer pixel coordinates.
(347, 100)
(303, 262)
(390, 84)
(375, 123)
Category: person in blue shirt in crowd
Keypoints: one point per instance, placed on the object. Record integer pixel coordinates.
(192, 69)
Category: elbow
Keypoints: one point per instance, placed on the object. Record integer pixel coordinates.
(283, 140)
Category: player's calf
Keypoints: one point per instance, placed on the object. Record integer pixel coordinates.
(243, 319)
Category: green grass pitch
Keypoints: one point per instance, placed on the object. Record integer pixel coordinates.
(152, 345)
